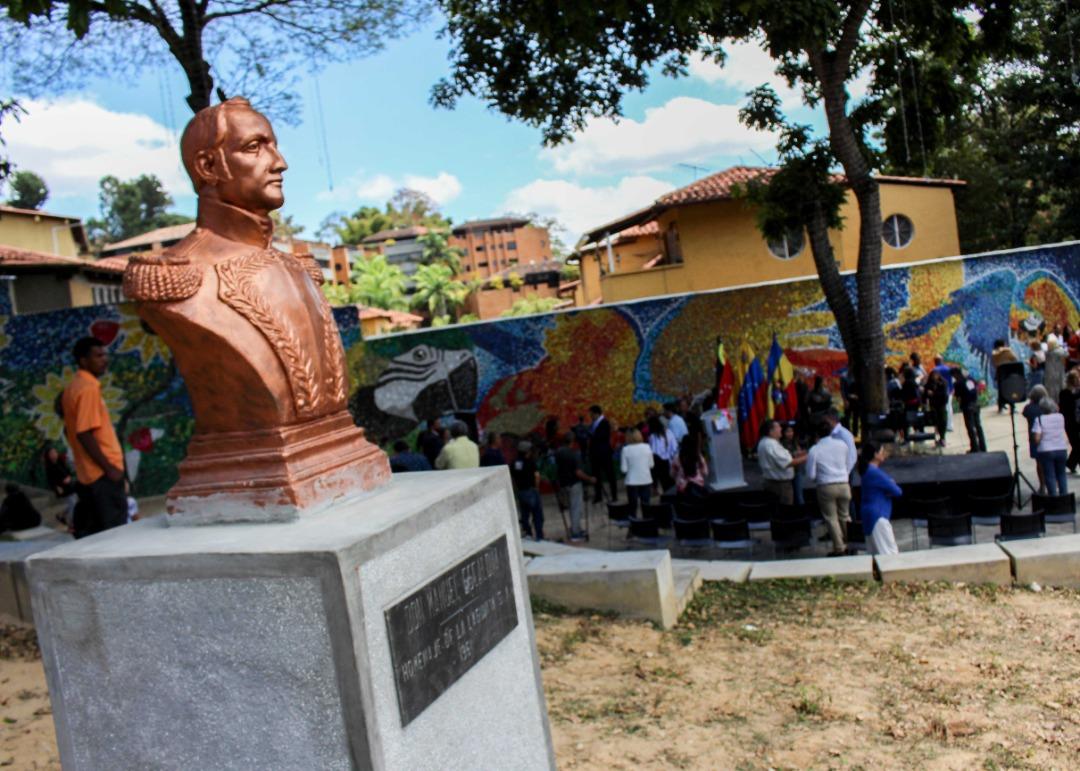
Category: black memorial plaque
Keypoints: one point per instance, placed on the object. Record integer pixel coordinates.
(441, 630)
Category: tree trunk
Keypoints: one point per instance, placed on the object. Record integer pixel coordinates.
(832, 72)
(832, 285)
(189, 52)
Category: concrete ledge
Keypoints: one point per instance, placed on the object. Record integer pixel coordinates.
(687, 582)
(982, 563)
(1051, 561)
(717, 570)
(859, 568)
(14, 589)
(551, 548)
(638, 584)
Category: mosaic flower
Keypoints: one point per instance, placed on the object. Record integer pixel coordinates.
(135, 336)
(45, 395)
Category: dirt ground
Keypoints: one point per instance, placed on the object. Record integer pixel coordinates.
(776, 675)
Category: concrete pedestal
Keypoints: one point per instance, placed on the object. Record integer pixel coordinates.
(393, 633)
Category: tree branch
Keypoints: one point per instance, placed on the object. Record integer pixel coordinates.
(242, 11)
(849, 36)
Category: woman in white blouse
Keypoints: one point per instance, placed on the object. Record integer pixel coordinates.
(637, 463)
(1052, 446)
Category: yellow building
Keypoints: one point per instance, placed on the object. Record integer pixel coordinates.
(702, 237)
(39, 231)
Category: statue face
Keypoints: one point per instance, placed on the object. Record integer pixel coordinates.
(255, 166)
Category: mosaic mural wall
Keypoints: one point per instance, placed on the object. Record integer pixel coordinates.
(511, 375)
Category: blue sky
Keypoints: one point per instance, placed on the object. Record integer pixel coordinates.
(382, 133)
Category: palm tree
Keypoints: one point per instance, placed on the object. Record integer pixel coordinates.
(378, 284)
(437, 289)
(437, 250)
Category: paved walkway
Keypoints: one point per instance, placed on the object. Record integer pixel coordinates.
(998, 431)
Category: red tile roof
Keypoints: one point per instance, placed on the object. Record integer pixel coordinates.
(109, 264)
(651, 228)
(715, 187)
(395, 317)
(13, 256)
(166, 235)
(720, 186)
(397, 234)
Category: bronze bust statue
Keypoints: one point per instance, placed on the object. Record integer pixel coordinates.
(255, 340)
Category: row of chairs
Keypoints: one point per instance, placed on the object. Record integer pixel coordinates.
(950, 521)
(695, 526)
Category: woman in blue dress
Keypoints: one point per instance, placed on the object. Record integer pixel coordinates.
(878, 491)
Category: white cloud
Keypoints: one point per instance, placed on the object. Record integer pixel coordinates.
(748, 65)
(580, 207)
(378, 188)
(684, 129)
(73, 143)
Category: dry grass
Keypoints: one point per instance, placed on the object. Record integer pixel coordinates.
(822, 675)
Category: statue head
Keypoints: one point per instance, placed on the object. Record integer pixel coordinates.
(231, 154)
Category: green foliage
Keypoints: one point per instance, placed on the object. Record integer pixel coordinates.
(284, 227)
(336, 294)
(377, 283)
(570, 272)
(516, 281)
(531, 304)
(28, 190)
(408, 208)
(437, 290)
(130, 208)
(260, 49)
(1009, 129)
(9, 108)
(468, 318)
(496, 282)
(438, 251)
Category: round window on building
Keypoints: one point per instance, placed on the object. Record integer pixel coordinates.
(897, 231)
(788, 247)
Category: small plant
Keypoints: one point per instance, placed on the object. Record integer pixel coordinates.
(809, 703)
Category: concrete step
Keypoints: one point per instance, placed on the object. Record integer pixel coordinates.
(859, 568)
(688, 580)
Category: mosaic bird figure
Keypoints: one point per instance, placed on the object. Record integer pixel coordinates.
(983, 305)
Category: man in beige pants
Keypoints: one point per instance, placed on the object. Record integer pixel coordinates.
(827, 465)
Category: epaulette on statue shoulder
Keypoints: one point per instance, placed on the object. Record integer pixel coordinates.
(166, 277)
(311, 267)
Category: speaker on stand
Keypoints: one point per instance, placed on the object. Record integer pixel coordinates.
(1013, 389)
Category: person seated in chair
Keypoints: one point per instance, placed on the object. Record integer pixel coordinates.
(17, 512)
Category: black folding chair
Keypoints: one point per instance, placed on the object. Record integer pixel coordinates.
(921, 509)
(619, 515)
(954, 530)
(1015, 527)
(1056, 509)
(688, 511)
(692, 534)
(663, 513)
(987, 510)
(789, 535)
(757, 513)
(732, 534)
(646, 533)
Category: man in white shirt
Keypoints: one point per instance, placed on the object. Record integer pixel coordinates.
(839, 432)
(827, 465)
(777, 464)
(676, 424)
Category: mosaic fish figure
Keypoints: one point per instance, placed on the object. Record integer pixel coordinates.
(409, 375)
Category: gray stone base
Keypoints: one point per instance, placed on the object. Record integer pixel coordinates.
(267, 646)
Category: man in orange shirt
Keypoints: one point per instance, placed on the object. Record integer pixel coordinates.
(99, 461)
